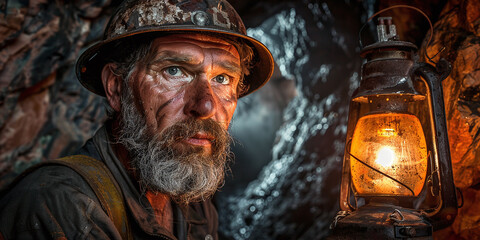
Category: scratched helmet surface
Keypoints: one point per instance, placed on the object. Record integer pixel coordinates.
(135, 18)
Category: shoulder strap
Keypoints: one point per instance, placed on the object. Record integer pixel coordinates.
(101, 180)
(105, 187)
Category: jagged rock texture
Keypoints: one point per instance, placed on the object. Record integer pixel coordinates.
(45, 113)
(458, 31)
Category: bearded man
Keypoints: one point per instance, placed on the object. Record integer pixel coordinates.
(171, 73)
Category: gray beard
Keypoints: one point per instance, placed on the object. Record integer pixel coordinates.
(186, 176)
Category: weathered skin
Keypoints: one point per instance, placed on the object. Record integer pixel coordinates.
(144, 17)
(191, 76)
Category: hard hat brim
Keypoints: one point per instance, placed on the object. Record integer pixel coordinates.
(90, 63)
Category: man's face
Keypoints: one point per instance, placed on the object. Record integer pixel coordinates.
(175, 113)
(189, 77)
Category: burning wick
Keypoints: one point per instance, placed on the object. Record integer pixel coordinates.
(385, 157)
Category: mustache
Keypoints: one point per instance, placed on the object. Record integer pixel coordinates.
(190, 127)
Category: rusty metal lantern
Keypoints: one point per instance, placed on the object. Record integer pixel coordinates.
(397, 177)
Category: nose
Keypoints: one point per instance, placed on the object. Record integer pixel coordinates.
(200, 103)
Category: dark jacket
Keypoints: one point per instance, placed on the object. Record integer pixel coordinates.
(54, 202)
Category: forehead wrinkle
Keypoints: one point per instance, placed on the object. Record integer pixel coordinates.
(224, 62)
(229, 50)
(233, 51)
(175, 57)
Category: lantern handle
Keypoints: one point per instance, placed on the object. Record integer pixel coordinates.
(402, 6)
(445, 213)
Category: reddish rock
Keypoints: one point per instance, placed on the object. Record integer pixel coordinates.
(458, 31)
(27, 119)
(44, 112)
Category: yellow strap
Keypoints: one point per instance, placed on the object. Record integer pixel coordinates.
(105, 187)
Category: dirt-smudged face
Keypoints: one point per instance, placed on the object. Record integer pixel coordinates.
(174, 113)
(190, 76)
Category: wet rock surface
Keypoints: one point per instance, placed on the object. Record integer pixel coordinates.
(285, 179)
(295, 194)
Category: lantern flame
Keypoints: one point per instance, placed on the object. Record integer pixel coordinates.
(385, 157)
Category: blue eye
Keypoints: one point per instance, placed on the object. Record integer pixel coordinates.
(174, 71)
(176, 74)
(222, 79)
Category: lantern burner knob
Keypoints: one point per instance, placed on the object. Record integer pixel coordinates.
(386, 30)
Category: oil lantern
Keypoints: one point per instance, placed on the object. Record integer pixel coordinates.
(397, 177)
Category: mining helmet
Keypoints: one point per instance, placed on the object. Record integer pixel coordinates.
(135, 18)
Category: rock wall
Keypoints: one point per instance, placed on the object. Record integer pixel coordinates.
(45, 113)
(295, 195)
(458, 31)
